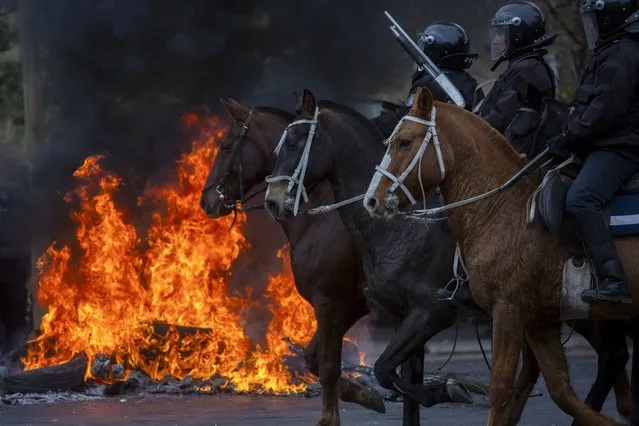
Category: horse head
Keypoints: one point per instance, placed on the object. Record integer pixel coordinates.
(300, 165)
(416, 152)
(244, 156)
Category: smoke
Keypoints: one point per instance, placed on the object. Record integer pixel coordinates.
(120, 73)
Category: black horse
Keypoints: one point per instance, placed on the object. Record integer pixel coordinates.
(404, 265)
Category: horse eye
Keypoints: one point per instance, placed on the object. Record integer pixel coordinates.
(404, 143)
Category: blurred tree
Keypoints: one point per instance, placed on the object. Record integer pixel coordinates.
(11, 97)
(570, 50)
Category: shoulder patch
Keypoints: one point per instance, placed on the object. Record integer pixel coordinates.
(410, 100)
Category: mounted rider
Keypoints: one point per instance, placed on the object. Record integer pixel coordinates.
(603, 131)
(517, 35)
(448, 46)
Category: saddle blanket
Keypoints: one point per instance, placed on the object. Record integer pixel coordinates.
(575, 279)
(624, 215)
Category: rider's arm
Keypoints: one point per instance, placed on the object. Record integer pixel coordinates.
(508, 102)
(615, 89)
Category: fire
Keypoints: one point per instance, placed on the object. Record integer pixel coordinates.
(105, 295)
(293, 317)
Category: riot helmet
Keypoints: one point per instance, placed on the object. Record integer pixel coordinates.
(447, 45)
(516, 28)
(603, 19)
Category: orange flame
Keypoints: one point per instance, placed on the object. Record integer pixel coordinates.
(106, 299)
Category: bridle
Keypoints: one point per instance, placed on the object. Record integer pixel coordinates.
(300, 171)
(221, 185)
(392, 201)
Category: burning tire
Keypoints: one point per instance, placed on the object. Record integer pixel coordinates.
(63, 377)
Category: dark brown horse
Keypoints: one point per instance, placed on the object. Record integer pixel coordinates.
(326, 265)
(515, 268)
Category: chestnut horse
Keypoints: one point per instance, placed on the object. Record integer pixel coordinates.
(515, 268)
(326, 265)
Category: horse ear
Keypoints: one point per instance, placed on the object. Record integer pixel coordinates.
(235, 109)
(307, 103)
(423, 103)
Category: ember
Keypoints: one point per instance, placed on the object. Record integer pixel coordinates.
(103, 301)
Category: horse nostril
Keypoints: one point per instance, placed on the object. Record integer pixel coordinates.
(372, 203)
(202, 203)
(271, 206)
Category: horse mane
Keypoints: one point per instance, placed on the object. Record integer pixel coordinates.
(354, 115)
(496, 140)
(280, 113)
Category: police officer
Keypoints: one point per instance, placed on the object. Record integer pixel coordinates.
(517, 35)
(603, 130)
(448, 46)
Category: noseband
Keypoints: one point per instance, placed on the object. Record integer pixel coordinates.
(300, 171)
(391, 200)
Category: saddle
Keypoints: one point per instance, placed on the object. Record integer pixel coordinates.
(622, 213)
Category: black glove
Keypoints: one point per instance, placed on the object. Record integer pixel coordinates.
(558, 146)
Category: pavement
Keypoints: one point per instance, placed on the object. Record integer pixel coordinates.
(223, 410)
(289, 411)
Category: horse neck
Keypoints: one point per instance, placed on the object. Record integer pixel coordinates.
(354, 153)
(483, 161)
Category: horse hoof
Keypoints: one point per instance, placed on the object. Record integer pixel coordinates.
(372, 400)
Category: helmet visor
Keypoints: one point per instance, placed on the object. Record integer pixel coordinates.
(498, 40)
(590, 28)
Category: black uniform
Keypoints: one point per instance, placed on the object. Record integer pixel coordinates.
(464, 82)
(603, 130)
(514, 104)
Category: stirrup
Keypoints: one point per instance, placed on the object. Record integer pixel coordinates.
(457, 282)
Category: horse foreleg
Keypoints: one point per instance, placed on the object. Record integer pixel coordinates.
(506, 350)
(349, 389)
(608, 339)
(413, 372)
(333, 322)
(411, 336)
(525, 382)
(545, 342)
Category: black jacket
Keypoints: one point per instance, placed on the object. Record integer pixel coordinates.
(513, 105)
(606, 104)
(464, 82)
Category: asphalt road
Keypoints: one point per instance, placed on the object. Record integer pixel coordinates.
(253, 411)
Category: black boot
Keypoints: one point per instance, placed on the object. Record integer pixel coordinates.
(602, 252)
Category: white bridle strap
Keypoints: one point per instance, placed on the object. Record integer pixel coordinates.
(431, 135)
(300, 170)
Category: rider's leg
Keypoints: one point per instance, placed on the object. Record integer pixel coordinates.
(602, 175)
